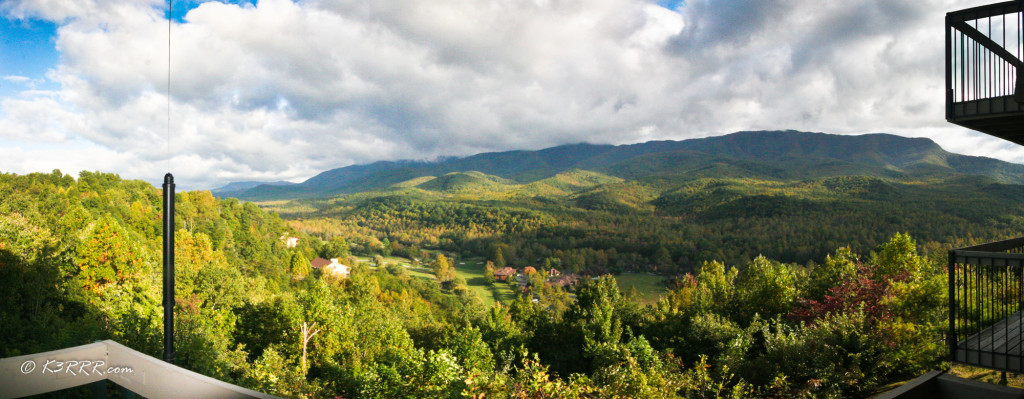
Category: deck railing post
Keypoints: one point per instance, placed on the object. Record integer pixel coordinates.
(1018, 92)
(951, 338)
(949, 68)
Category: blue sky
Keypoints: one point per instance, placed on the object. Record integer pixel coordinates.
(182, 7)
(282, 90)
(670, 4)
(27, 50)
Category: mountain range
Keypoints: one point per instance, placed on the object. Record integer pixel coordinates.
(773, 155)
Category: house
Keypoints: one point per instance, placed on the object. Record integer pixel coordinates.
(554, 272)
(504, 273)
(336, 269)
(289, 241)
(330, 267)
(566, 281)
(318, 263)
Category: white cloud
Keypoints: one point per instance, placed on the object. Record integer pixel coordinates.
(16, 79)
(286, 89)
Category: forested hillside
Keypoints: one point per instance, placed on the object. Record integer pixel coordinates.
(668, 206)
(761, 155)
(591, 223)
(79, 262)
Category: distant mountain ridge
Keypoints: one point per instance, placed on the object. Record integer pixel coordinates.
(763, 154)
(242, 186)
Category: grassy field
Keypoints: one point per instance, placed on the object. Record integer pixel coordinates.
(648, 288)
(471, 270)
(415, 271)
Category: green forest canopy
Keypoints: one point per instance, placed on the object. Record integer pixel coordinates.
(79, 262)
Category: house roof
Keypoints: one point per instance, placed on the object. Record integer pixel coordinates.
(148, 376)
(505, 271)
(319, 262)
(566, 279)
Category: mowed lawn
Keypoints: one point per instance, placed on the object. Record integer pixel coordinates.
(473, 271)
(417, 271)
(470, 270)
(648, 288)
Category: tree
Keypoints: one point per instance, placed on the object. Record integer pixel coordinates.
(300, 266)
(489, 273)
(766, 288)
(662, 259)
(594, 317)
(715, 290)
(469, 347)
(837, 269)
(308, 331)
(336, 247)
(108, 254)
(262, 325)
(899, 255)
(537, 279)
(499, 258)
(442, 268)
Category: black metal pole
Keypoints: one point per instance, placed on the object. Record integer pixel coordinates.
(1018, 93)
(949, 69)
(951, 339)
(169, 268)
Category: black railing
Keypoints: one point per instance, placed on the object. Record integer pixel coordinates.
(984, 71)
(986, 291)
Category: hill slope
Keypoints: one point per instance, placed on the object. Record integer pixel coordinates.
(766, 154)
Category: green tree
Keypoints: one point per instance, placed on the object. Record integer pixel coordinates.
(336, 247)
(662, 259)
(499, 258)
(489, 273)
(897, 256)
(715, 288)
(300, 267)
(469, 348)
(265, 324)
(837, 269)
(443, 268)
(537, 280)
(766, 288)
(108, 254)
(594, 316)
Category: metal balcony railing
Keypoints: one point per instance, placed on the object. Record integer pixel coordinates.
(984, 71)
(986, 291)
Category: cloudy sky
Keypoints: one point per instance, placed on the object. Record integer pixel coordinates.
(282, 90)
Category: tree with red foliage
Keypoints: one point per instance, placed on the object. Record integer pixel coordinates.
(863, 290)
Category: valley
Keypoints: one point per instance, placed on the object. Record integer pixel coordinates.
(772, 264)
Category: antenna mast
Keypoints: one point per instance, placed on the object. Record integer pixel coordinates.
(169, 216)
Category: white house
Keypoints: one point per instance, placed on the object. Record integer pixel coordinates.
(336, 269)
(289, 241)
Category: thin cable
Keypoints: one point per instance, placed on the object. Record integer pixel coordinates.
(170, 15)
